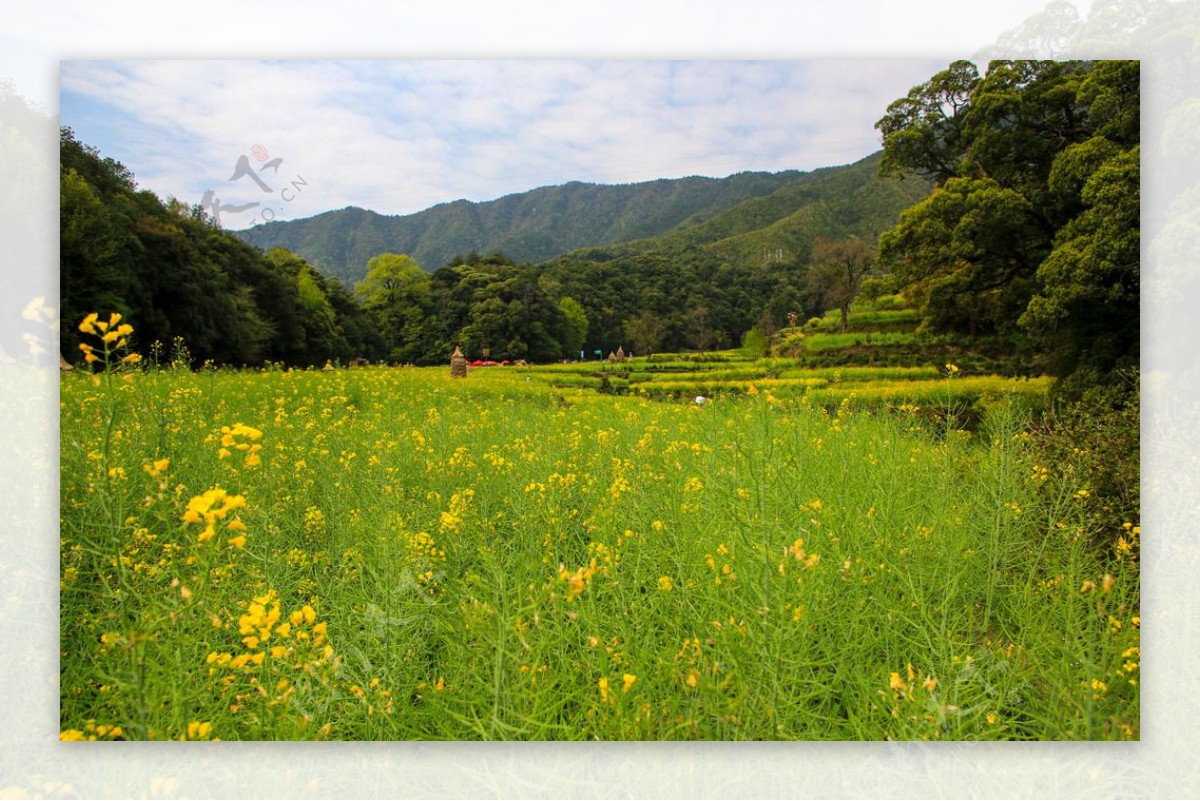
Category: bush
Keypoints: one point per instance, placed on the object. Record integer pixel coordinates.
(1095, 441)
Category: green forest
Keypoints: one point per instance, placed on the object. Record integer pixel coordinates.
(1003, 208)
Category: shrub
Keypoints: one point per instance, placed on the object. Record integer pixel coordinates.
(1095, 441)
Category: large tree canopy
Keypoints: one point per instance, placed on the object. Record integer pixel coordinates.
(1032, 229)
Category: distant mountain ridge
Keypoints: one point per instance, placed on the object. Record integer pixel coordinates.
(834, 202)
(550, 221)
(529, 226)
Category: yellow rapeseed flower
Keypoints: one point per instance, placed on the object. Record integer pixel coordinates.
(199, 731)
(88, 326)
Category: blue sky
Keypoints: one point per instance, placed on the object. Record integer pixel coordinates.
(400, 136)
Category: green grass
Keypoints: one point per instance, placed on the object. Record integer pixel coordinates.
(865, 319)
(829, 341)
(502, 558)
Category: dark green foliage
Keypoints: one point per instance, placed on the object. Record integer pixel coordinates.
(706, 283)
(1032, 232)
(170, 271)
(1094, 442)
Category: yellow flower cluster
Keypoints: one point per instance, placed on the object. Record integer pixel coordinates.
(197, 730)
(215, 504)
(376, 694)
(262, 620)
(915, 701)
(92, 731)
(314, 521)
(424, 554)
(1128, 543)
(156, 468)
(796, 550)
(452, 519)
(577, 580)
(725, 570)
(287, 658)
(107, 331)
(113, 337)
(905, 685)
(606, 695)
(229, 439)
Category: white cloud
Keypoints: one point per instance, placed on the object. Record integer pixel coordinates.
(400, 136)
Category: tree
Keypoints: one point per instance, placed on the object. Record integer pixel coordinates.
(645, 332)
(1050, 32)
(391, 279)
(699, 327)
(923, 131)
(173, 273)
(575, 327)
(838, 269)
(1032, 229)
(755, 343)
(92, 276)
(397, 291)
(966, 256)
(1086, 310)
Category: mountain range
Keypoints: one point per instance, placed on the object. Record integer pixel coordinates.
(751, 215)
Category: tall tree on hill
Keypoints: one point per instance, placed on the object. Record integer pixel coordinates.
(1032, 229)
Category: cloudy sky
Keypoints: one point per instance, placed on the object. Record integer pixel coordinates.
(401, 136)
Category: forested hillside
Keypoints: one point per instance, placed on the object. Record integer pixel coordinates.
(835, 203)
(530, 227)
(165, 266)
